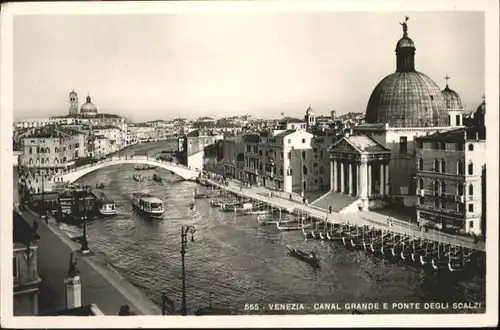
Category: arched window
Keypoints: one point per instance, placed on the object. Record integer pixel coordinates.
(30, 150)
(47, 161)
(436, 165)
(37, 150)
(443, 166)
(436, 186)
(421, 183)
(56, 161)
(471, 147)
(38, 161)
(64, 159)
(443, 187)
(460, 168)
(471, 168)
(460, 189)
(47, 150)
(42, 160)
(420, 164)
(471, 190)
(321, 170)
(31, 161)
(304, 169)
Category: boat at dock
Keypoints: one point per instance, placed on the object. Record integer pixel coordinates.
(138, 177)
(310, 257)
(148, 205)
(267, 219)
(288, 226)
(157, 178)
(104, 205)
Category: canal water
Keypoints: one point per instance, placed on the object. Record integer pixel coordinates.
(238, 262)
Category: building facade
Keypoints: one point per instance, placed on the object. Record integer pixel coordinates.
(25, 268)
(450, 169)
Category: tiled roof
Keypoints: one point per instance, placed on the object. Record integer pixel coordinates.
(285, 133)
(455, 135)
(291, 120)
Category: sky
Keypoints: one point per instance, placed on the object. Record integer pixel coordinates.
(164, 66)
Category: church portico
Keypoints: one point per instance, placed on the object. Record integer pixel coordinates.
(360, 168)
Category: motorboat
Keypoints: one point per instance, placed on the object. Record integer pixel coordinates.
(148, 205)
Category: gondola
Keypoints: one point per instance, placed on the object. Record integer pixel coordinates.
(157, 178)
(310, 257)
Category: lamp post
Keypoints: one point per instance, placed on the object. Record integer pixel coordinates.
(184, 232)
(85, 245)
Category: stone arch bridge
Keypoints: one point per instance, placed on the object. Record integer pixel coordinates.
(74, 174)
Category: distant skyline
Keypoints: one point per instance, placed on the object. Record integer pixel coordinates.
(147, 67)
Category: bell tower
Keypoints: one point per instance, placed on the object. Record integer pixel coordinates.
(73, 103)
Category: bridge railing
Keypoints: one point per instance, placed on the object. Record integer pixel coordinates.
(118, 158)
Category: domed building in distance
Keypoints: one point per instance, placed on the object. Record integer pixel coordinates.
(376, 163)
(454, 105)
(88, 108)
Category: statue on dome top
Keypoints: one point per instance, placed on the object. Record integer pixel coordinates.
(405, 26)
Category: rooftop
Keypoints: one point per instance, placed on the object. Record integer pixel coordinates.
(365, 143)
(97, 127)
(285, 133)
(291, 120)
(51, 131)
(456, 135)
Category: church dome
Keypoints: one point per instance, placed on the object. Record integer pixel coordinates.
(88, 107)
(407, 98)
(453, 100)
(481, 109)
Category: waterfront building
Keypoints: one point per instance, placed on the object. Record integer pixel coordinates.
(233, 157)
(114, 135)
(25, 267)
(192, 147)
(450, 177)
(403, 106)
(141, 132)
(49, 150)
(102, 146)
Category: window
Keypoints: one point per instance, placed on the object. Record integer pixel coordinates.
(460, 189)
(436, 186)
(443, 166)
(304, 155)
(460, 168)
(315, 149)
(293, 126)
(471, 224)
(403, 145)
(420, 164)
(471, 147)
(449, 120)
(321, 154)
(471, 207)
(30, 150)
(289, 141)
(421, 200)
(303, 140)
(321, 170)
(471, 190)
(304, 170)
(436, 203)
(289, 155)
(15, 267)
(457, 119)
(443, 187)
(471, 169)
(436, 165)
(421, 183)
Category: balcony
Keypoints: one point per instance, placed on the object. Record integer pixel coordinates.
(440, 210)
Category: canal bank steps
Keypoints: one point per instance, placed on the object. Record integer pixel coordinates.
(358, 218)
(101, 284)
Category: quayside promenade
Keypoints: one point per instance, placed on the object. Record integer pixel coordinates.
(101, 285)
(358, 218)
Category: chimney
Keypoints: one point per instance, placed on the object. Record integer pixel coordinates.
(73, 285)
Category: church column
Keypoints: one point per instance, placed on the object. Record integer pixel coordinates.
(342, 176)
(333, 175)
(358, 180)
(363, 176)
(386, 178)
(350, 174)
(369, 185)
(382, 180)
